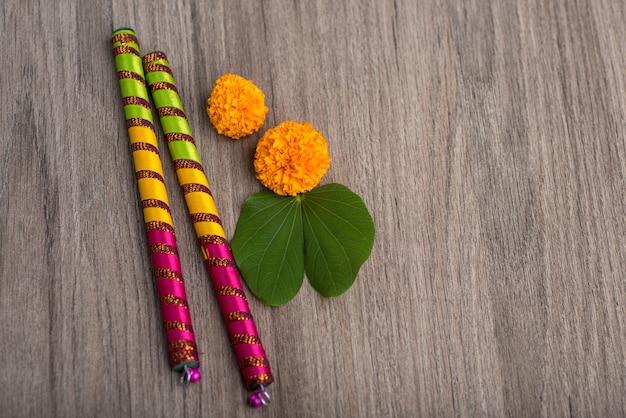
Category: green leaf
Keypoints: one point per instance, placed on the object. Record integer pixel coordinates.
(327, 232)
(268, 246)
(338, 237)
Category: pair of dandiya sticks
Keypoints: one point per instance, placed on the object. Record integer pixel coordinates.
(215, 247)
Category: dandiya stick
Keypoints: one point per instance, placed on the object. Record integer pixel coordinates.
(179, 333)
(216, 250)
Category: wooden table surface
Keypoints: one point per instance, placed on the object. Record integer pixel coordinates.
(487, 138)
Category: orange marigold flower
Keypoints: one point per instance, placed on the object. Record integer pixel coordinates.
(236, 106)
(291, 158)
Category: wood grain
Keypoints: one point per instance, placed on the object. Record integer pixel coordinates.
(486, 137)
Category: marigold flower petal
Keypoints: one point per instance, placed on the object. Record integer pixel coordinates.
(291, 158)
(236, 106)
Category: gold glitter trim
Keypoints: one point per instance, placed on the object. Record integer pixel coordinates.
(151, 67)
(159, 226)
(138, 101)
(163, 273)
(205, 217)
(177, 325)
(181, 356)
(125, 49)
(173, 300)
(196, 188)
(238, 316)
(219, 262)
(125, 74)
(143, 146)
(155, 203)
(139, 122)
(230, 291)
(171, 111)
(179, 345)
(163, 85)
(149, 174)
(245, 339)
(178, 136)
(164, 249)
(124, 38)
(182, 163)
(253, 362)
(158, 55)
(259, 379)
(213, 240)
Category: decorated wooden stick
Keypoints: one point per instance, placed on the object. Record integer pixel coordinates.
(215, 247)
(158, 221)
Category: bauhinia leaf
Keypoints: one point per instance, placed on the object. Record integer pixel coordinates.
(327, 232)
(268, 246)
(338, 237)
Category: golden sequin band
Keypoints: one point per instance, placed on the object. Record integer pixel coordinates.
(160, 226)
(182, 163)
(125, 49)
(164, 249)
(149, 174)
(190, 354)
(139, 122)
(134, 100)
(253, 362)
(124, 38)
(230, 291)
(154, 203)
(163, 273)
(205, 217)
(219, 262)
(162, 85)
(153, 56)
(178, 136)
(130, 75)
(170, 111)
(177, 325)
(173, 300)
(259, 379)
(157, 67)
(245, 339)
(195, 188)
(213, 240)
(238, 316)
(144, 146)
(179, 345)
